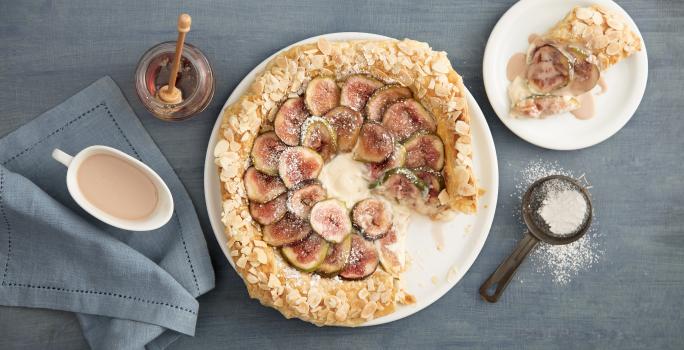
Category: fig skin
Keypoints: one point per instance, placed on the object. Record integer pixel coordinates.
(401, 185)
(270, 212)
(375, 144)
(549, 69)
(301, 200)
(288, 120)
(363, 259)
(424, 150)
(307, 254)
(357, 89)
(261, 187)
(266, 152)
(322, 94)
(396, 159)
(434, 182)
(319, 135)
(406, 117)
(330, 219)
(383, 98)
(287, 230)
(373, 217)
(337, 256)
(299, 164)
(347, 124)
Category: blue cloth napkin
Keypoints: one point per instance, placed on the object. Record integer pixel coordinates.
(130, 290)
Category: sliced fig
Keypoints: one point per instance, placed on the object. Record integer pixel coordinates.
(395, 160)
(287, 230)
(301, 200)
(357, 89)
(288, 120)
(424, 150)
(330, 219)
(373, 217)
(404, 118)
(434, 182)
(322, 95)
(363, 259)
(586, 74)
(402, 185)
(539, 106)
(375, 144)
(299, 164)
(347, 124)
(266, 152)
(269, 212)
(261, 187)
(337, 256)
(548, 69)
(383, 98)
(392, 257)
(319, 135)
(306, 254)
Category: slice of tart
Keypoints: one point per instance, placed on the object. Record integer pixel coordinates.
(565, 64)
(324, 161)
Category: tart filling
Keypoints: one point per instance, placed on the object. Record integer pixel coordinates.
(563, 66)
(322, 163)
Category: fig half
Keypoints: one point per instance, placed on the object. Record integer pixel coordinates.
(373, 217)
(288, 120)
(266, 152)
(319, 135)
(357, 89)
(306, 254)
(404, 118)
(261, 187)
(298, 164)
(363, 259)
(382, 98)
(347, 124)
(337, 256)
(322, 95)
(375, 144)
(301, 200)
(330, 219)
(548, 69)
(269, 212)
(287, 230)
(424, 150)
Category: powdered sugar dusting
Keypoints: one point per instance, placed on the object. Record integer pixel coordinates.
(562, 263)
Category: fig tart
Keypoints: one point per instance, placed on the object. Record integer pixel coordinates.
(323, 161)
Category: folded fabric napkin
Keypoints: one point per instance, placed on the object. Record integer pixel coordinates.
(130, 290)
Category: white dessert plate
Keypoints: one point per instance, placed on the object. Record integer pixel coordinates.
(433, 272)
(626, 81)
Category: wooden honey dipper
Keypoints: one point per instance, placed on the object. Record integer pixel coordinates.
(170, 93)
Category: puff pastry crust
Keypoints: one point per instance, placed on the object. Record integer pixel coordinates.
(333, 301)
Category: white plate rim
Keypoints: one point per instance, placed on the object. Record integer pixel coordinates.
(488, 75)
(211, 181)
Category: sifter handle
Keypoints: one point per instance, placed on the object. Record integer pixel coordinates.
(503, 274)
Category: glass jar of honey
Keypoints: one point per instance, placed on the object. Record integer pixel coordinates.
(195, 80)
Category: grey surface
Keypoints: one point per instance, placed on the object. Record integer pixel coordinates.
(632, 298)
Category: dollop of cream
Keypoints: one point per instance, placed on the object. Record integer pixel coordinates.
(345, 179)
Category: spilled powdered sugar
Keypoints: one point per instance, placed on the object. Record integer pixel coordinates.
(561, 262)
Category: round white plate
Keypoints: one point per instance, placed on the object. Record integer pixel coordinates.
(463, 237)
(626, 80)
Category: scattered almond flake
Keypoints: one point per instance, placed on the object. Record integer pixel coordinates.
(434, 279)
(452, 274)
